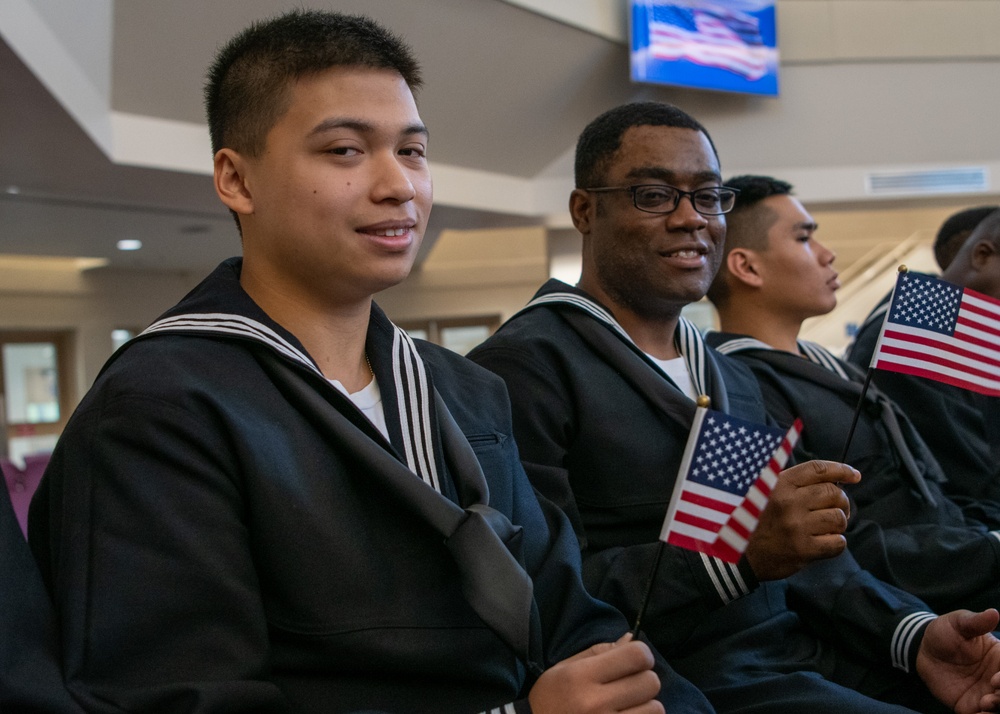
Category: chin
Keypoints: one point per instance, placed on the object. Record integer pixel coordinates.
(824, 309)
(389, 279)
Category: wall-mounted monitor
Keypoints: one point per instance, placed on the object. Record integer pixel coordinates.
(725, 45)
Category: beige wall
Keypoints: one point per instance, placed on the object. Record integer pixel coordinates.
(473, 273)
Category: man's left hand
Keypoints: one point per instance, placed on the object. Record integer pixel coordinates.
(959, 661)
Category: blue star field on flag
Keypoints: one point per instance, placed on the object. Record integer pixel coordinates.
(730, 453)
(924, 301)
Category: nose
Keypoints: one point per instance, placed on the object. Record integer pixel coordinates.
(826, 255)
(684, 217)
(392, 180)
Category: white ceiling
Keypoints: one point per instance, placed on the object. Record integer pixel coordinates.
(101, 132)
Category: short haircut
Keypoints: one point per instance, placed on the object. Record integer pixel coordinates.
(747, 224)
(988, 228)
(603, 136)
(955, 230)
(249, 81)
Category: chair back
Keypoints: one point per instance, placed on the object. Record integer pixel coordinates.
(31, 681)
(22, 484)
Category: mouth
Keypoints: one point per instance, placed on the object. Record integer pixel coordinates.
(388, 232)
(388, 229)
(684, 253)
(834, 282)
(393, 236)
(687, 257)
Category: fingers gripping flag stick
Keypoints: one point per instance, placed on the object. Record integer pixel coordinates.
(729, 468)
(727, 473)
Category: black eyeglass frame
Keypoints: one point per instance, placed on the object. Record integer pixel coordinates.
(680, 194)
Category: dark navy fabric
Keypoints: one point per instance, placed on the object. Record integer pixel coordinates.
(908, 533)
(223, 531)
(596, 440)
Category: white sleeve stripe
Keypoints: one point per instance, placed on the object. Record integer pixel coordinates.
(738, 577)
(722, 575)
(723, 594)
(995, 534)
(505, 709)
(902, 638)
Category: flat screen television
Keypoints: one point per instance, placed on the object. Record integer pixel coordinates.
(724, 45)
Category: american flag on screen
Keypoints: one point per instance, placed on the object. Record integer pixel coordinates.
(708, 35)
(727, 473)
(941, 331)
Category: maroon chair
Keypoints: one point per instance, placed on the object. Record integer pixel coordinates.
(22, 483)
(30, 678)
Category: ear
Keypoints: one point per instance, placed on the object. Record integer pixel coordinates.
(981, 253)
(581, 209)
(230, 181)
(743, 266)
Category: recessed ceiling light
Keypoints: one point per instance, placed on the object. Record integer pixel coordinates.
(129, 244)
(13, 190)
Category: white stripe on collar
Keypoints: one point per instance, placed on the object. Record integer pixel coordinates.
(823, 357)
(414, 399)
(232, 325)
(810, 350)
(412, 386)
(688, 339)
(726, 578)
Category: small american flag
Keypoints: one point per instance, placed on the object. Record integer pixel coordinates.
(941, 331)
(728, 470)
(708, 35)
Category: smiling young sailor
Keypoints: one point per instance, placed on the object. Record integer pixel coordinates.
(273, 500)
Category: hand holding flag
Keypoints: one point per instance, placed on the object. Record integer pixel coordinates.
(727, 473)
(728, 470)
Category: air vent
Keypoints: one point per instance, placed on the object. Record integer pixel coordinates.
(970, 179)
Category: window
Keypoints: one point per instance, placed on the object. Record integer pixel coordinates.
(36, 389)
(120, 336)
(459, 334)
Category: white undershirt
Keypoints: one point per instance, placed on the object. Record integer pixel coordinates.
(678, 372)
(369, 401)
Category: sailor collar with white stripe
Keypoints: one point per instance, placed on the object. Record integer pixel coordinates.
(413, 389)
(810, 350)
(687, 338)
(726, 577)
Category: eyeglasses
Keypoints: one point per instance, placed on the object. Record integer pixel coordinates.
(660, 198)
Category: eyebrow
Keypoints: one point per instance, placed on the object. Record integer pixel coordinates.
(666, 175)
(364, 127)
(805, 226)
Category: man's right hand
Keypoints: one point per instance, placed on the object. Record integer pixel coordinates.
(608, 677)
(804, 520)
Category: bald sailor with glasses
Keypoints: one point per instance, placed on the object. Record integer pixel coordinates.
(603, 378)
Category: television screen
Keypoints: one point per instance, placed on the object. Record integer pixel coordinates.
(726, 45)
